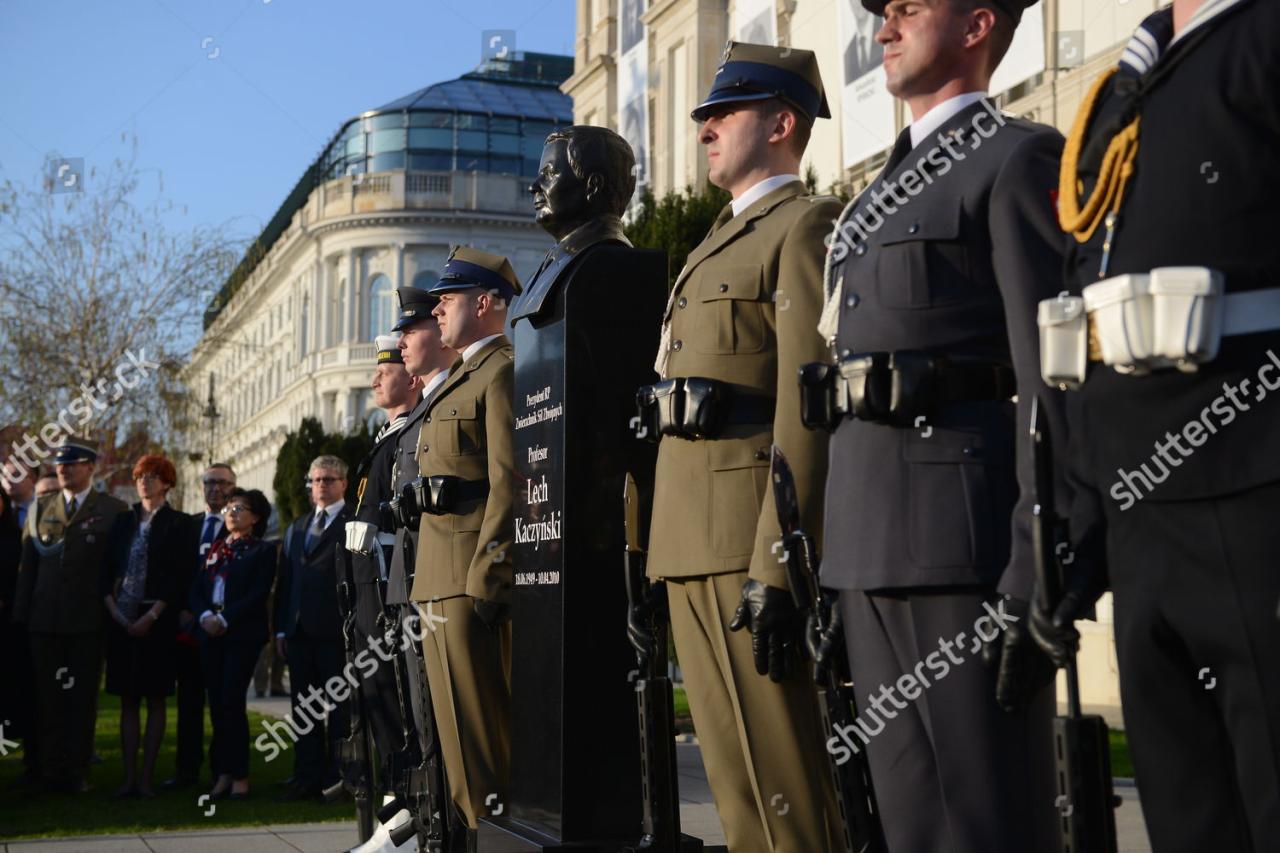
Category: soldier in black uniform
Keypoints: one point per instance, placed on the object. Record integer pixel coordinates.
(427, 360)
(1175, 462)
(395, 391)
(933, 279)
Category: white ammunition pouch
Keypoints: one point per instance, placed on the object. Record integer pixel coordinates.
(1174, 317)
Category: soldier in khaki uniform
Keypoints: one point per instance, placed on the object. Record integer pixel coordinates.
(465, 495)
(59, 599)
(739, 324)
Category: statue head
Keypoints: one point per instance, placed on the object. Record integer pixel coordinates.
(586, 172)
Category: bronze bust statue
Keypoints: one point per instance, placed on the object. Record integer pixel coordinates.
(585, 181)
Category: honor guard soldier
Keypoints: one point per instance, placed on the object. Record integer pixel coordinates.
(464, 493)
(739, 323)
(395, 391)
(1168, 190)
(426, 358)
(58, 599)
(932, 286)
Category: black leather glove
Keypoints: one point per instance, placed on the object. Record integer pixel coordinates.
(491, 613)
(1024, 669)
(641, 617)
(1055, 632)
(821, 644)
(776, 627)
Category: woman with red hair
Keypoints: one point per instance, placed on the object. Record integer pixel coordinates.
(143, 594)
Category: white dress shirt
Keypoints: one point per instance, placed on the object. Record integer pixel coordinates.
(760, 190)
(476, 347)
(935, 118)
(434, 382)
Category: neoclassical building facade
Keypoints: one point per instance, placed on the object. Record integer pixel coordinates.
(291, 333)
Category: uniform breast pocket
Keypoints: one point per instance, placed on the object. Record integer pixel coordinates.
(459, 431)
(922, 262)
(730, 312)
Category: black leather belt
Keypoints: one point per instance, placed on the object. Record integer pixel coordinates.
(443, 494)
(897, 388)
(694, 407)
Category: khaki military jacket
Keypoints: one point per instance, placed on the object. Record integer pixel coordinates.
(744, 311)
(468, 431)
(60, 581)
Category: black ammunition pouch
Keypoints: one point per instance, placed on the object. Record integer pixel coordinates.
(693, 407)
(404, 508)
(896, 388)
(443, 494)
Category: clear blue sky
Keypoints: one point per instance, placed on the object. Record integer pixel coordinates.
(230, 135)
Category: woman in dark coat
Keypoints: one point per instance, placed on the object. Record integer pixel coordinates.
(143, 592)
(229, 596)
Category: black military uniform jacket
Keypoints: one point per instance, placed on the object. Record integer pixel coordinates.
(1203, 194)
(64, 563)
(957, 268)
(375, 470)
(404, 470)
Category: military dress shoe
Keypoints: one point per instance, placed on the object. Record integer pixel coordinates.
(180, 781)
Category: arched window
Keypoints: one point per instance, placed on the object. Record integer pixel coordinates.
(382, 307)
(426, 279)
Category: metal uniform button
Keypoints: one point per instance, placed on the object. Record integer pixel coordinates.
(844, 353)
(761, 454)
(453, 411)
(683, 302)
(915, 227)
(675, 345)
(861, 250)
(851, 301)
(724, 288)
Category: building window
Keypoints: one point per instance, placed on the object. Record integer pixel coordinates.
(381, 312)
(426, 279)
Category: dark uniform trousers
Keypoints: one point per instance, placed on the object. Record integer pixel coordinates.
(959, 755)
(1199, 609)
(68, 670)
(190, 704)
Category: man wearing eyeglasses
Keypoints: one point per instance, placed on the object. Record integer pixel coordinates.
(309, 626)
(206, 528)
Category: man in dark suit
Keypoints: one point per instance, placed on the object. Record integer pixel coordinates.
(932, 284)
(206, 528)
(57, 599)
(309, 625)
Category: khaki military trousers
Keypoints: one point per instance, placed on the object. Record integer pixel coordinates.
(761, 741)
(469, 674)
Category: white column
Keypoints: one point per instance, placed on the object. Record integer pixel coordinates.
(352, 308)
(399, 279)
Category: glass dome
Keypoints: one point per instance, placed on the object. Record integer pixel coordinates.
(491, 120)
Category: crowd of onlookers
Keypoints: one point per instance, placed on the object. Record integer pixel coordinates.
(163, 604)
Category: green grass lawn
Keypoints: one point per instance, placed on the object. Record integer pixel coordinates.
(25, 814)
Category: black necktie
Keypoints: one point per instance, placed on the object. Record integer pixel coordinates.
(317, 529)
(901, 148)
